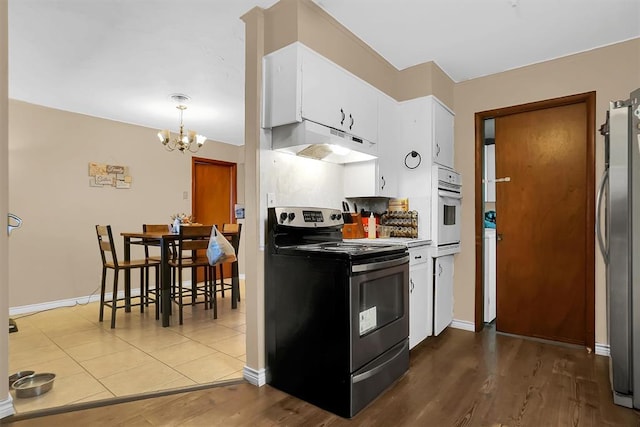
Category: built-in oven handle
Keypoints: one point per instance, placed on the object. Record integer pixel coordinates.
(359, 268)
(449, 194)
(366, 375)
(603, 247)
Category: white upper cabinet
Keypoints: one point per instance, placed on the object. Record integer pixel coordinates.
(389, 158)
(427, 129)
(378, 178)
(282, 87)
(442, 134)
(416, 126)
(301, 84)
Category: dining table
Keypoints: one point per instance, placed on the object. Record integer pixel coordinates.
(165, 240)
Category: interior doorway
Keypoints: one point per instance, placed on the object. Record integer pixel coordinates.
(214, 189)
(545, 216)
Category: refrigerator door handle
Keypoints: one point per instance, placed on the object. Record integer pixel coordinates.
(603, 247)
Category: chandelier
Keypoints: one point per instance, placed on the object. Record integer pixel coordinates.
(184, 141)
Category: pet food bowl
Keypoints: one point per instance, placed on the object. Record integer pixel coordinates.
(20, 374)
(33, 385)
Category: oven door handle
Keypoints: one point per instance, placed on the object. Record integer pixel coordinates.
(450, 194)
(359, 268)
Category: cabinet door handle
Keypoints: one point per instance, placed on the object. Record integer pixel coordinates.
(412, 286)
(383, 182)
(439, 269)
(343, 116)
(437, 150)
(352, 121)
(417, 257)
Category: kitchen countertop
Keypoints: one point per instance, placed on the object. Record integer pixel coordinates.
(406, 241)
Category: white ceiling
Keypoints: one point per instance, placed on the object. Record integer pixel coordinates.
(121, 59)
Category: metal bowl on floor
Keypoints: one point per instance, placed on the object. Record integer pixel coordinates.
(20, 374)
(33, 385)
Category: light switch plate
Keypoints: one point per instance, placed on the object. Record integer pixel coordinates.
(271, 200)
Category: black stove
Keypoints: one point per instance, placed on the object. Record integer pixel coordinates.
(336, 313)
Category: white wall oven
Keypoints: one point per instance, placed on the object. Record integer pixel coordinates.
(446, 210)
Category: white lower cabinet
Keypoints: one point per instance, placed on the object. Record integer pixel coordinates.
(420, 295)
(443, 293)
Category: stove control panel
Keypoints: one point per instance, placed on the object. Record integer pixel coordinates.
(295, 216)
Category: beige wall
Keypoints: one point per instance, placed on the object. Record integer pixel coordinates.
(289, 21)
(5, 408)
(610, 71)
(54, 256)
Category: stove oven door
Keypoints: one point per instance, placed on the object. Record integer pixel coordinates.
(379, 292)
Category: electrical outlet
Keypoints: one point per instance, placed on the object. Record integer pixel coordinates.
(185, 195)
(271, 200)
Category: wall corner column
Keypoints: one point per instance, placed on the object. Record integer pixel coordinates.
(254, 371)
(6, 406)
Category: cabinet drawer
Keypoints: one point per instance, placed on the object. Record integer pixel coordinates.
(418, 255)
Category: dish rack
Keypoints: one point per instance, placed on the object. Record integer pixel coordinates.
(401, 223)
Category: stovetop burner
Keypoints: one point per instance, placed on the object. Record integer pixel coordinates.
(350, 249)
(317, 232)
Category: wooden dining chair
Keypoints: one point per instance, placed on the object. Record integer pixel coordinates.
(235, 242)
(191, 249)
(110, 262)
(153, 228)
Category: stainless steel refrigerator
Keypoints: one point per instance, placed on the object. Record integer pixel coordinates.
(619, 240)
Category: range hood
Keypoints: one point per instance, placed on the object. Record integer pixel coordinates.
(316, 141)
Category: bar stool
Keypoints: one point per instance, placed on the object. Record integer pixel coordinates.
(154, 228)
(235, 242)
(192, 240)
(110, 261)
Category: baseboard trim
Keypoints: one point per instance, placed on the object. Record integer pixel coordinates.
(255, 377)
(464, 325)
(6, 407)
(71, 302)
(602, 350)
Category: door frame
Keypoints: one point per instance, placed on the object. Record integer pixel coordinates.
(589, 98)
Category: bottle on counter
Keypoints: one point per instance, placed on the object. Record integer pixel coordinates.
(372, 226)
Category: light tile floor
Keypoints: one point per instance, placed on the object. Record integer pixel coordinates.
(94, 362)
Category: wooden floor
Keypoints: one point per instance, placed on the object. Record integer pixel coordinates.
(457, 379)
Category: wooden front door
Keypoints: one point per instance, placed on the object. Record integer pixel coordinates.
(214, 193)
(545, 248)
